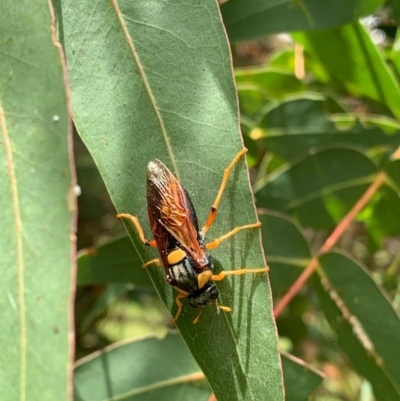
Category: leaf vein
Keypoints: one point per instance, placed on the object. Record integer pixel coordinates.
(20, 262)
(146, 84)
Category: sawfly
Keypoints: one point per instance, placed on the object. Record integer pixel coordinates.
(184, 254)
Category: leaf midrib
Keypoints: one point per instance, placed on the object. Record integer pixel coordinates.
(20, 261)
(146, 85)
(193, 377)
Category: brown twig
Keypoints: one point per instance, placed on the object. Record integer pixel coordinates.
(329, 243)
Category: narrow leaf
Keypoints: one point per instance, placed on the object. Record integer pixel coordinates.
(146, 369)
(274, 82)
(287, 250)
(360, 67)
(37, 206)
(382, 221)
(154, 80)
(121, 372)
(318, 189)
(301, 380)
(115, 262)
(297, 123)
(359, 357)
(365, 306)
(247, 20)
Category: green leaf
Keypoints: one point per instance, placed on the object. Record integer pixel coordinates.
(394, 55)
(273, 82)
(380, 216)
(300, 379)
(117, 373)
(153, 79)
(298, 123)
(393, 172)
(283, 59)
(363, 320)
(88, 313)
(146, 369)
(257, 86)
(362, 361)
(288, 252)
(395, 8)
(318, 189)
(115, 262)
(38, 207)
(251, 99)
(360, 67)
(250, 19)
(383, 218)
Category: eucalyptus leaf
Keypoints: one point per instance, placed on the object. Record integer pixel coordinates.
(346, 294)
(114, 262)
(368, 310)
(361, 67)
(287, 250)
(319, 188)
(382, 221)
(38, 207)
(301, 380)
(146, 369)
(274, 82)
(121, 372)
(297, 123)
(154, 80)
(250, 19)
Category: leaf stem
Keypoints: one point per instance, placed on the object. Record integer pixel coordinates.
(329, 243)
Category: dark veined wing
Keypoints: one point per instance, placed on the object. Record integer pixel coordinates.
(171, 213)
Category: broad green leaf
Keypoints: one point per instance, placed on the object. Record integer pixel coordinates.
(287, 251)
(115, 262)
(300, 379)
(37, 205)
(296, 124)
(368, 310)
(153, 79)
(320, 188)
(250, 19)
(360, 66)
(146, 369)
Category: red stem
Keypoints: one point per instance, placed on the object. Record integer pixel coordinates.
(329, 243)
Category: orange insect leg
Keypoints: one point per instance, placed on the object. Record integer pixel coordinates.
(214, 207)
(181, 294)
(135, 221)
(217, 241)
(223, 274)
